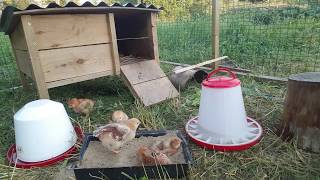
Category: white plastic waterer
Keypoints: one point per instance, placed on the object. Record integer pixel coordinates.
(222, 123)
(43, 131)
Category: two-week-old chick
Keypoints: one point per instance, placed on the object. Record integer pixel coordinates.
(168, 146)
(82, 106)
(114, 135)
(118, 116)
(150, 157)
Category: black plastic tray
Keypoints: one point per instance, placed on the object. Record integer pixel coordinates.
(136, 172)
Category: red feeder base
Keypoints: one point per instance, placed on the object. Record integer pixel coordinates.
(204, 139)
(13, 161)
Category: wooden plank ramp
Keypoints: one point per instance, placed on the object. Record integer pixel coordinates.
(148, 82)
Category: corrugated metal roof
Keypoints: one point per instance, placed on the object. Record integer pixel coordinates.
(11, 15)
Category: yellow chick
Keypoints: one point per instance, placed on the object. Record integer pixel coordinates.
(114, 135)
(151, 157)
(82, 106)
(118, 116)
(169, 146)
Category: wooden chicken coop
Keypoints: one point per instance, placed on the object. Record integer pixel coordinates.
(56, 46)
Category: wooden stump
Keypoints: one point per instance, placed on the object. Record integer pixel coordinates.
(301, 116)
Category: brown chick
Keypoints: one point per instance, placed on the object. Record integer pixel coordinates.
(118, 116)
(151, 157)
(114, 135)
(81, 106)
(169, 146)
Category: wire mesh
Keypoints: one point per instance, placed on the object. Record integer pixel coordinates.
(274, 37)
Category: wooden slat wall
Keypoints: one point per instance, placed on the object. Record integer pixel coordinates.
(60, 31)
(76, 47)
(67, 63)
(78, 79)
(63, 49)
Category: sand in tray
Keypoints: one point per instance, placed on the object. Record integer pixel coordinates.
(97, 156)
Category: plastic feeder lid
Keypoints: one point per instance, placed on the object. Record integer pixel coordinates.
(221, 81)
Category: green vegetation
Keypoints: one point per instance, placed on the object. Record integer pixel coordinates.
(8, 72)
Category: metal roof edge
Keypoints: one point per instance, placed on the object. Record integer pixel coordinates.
(8, 18)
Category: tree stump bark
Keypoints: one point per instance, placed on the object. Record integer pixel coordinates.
(301, 116)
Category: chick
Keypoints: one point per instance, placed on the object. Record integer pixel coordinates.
(114, 135)
(81, 106)
(168, 146)
(118, 116)
(151, 157)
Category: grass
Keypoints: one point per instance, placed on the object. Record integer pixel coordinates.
(272, 158)
(7, 66)
(272, 42)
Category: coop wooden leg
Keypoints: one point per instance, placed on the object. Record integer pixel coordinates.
(23, 76)
(37, 71)
(113, 35)
(24, 81)
(42, 91)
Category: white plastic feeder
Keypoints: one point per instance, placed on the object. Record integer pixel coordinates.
(43, 131)
(222, 123)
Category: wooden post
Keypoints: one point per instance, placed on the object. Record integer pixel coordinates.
(301, 116)
(215, 29)
(34, 57)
